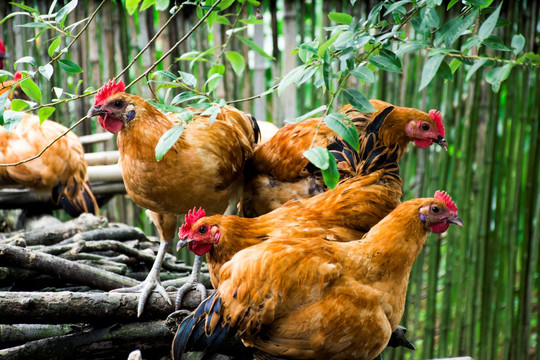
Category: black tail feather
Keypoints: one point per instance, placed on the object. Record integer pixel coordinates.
(192, 333)
(75, 203)
(256, 128)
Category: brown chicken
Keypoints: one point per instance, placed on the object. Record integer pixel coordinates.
(343, 214)
(307, 298)
(279, 171)
(203, 167)
(61, 170)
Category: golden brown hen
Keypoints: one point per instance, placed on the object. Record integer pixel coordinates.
(308, 298)
(203, 168)
(279, 171)
(343, 214)
(60, 170)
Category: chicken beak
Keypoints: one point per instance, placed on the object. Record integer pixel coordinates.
(95, 111)
(456, 220)
(441, 142)
(182, 243)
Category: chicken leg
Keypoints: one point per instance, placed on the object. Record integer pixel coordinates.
(166, 226)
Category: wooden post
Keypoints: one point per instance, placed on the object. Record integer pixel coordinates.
(288, 97)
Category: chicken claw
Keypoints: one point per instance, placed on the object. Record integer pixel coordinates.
(151, 282)
(193, 283)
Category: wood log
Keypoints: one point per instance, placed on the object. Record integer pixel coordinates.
(152, 338)
(96, 138)
(111, 173)
(58, 232)
(17, 334)
(96, 308)
(102, 158)
(68, 270)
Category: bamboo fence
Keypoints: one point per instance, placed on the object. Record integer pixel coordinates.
(472, 292)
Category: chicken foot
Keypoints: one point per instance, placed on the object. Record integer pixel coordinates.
(151, 282)
(193, 283)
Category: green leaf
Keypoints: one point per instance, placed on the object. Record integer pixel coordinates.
(535, 58)
(212, 112)
(216, 69)
(12, 119)
(44, 113)
(318, 156)
(224, 4)
(327, 43)
(27, 60)
(363, 73)
(495, 42)
(46, 70)
(25, 7)
(477, 65)
(146, 4)
(518, 43)
(331, 174)
(454, 28)
(188, 79)
(18, 105)
(291, 77)
(237, 61)
(220, 19)
(166, 108)
(54, 46)
(167, 141)
(35, 25)
(489, 24)
(132, 6)
(162, 5)
(253, 46)
(69, 66)
(451, 3)
(307, 74)
(445, 72)
(63, 12)
(385, 63)
(412, 45)
(164, 73)
(306, 116)
(340, 18)
(431, 17)
(393, 7)
(212, 83)
(430, 69)
(31, 89)
(358, 100)
(185, 96)
(497, 75)
(344, 127)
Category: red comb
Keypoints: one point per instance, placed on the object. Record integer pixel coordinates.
(436, 116)
(191, 217)
(445, 198)
(110, 88)
(17, 76)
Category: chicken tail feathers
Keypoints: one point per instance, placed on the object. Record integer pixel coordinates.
(76, 198)
(202, 330)
(256, 128)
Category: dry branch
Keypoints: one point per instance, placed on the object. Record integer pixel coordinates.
(69, 270)
(57, 233)
(154, 337)
(85, 307)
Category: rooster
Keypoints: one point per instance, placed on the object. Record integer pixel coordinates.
(279, 171)
(308, 298)
(343, 214)
(203, 168)
(61, 170)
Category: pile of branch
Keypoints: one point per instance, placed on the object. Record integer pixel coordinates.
(55, 300)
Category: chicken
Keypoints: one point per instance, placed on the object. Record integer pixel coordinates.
(278, 169)
(343, 214)
(308, 298)
(60, 170)
(203, 168)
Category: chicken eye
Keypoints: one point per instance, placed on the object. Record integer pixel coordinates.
(425, 126)
(435, 209)
(202, 229)
(118, 103)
